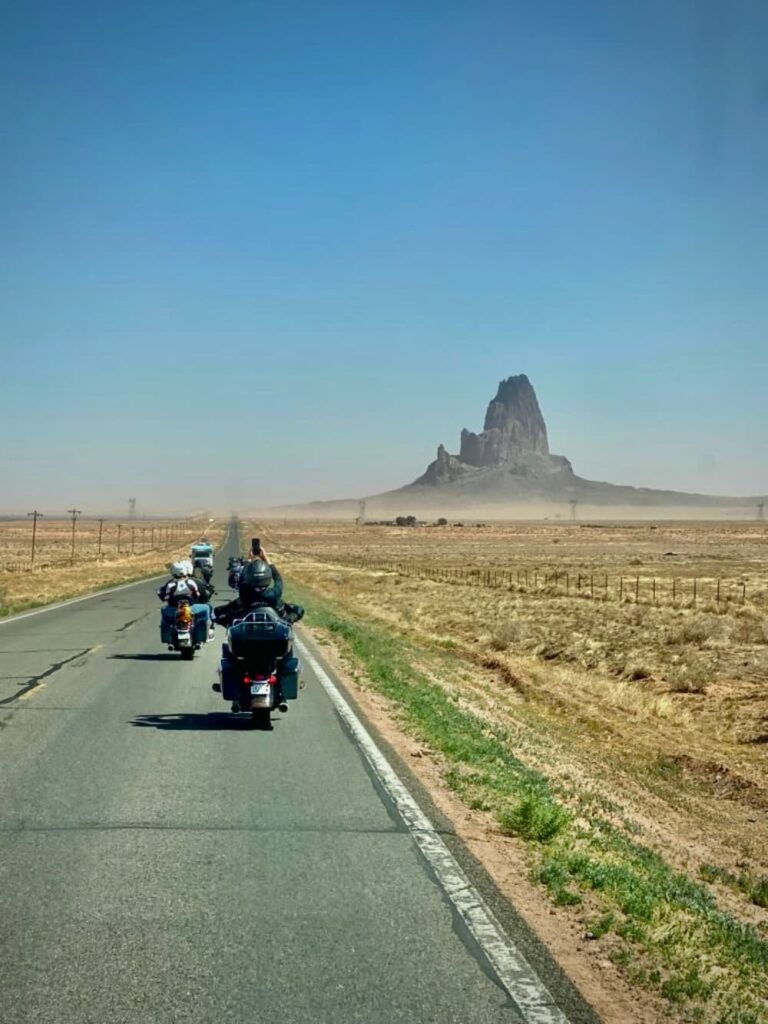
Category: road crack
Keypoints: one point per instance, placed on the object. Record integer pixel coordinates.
(34, 681)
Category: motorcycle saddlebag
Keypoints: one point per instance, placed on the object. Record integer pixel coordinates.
(290, 677)
(230, 680)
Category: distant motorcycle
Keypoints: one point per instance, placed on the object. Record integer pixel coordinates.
(258, 671)
(203, 567)
(236, 566)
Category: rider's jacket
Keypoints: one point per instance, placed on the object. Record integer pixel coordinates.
(227, 613)
(272, 597)
(174, 590)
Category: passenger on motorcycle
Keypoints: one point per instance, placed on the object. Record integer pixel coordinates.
(179, 586)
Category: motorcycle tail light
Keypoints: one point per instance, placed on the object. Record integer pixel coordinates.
(184, 615)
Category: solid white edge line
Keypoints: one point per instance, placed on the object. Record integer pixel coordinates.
(76, 600)
(85, 597)
(517, 976)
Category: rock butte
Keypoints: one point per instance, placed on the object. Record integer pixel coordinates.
(507, 470)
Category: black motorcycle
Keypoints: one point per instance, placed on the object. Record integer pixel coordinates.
(258, 671)
(235, 571)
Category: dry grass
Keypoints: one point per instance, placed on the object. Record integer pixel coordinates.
(659, 711)
(55, 577)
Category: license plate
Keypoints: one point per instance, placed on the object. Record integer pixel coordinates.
(259, 689)
(183, 636)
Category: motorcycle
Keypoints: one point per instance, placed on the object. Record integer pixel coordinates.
(258, 671)
(203, 568)
(183, 631)
(236, 566)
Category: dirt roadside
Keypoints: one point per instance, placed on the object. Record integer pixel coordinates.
(584, 962)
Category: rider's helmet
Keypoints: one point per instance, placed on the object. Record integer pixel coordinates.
(256, 578)
(186, 564)
(178, 570)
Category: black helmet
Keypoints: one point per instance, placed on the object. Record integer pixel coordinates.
(256, 578)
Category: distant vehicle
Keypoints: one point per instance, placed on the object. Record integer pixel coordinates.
(202, 566)
(236, 566)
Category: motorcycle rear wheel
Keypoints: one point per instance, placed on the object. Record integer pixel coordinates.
(261, 718)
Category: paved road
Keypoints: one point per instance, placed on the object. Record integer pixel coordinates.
(161, 862)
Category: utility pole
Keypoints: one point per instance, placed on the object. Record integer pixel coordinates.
(131, 508)
(761, 511)
(101, 530)
(75, 513)
(35, 516)
(573, 503)
(119, 531)
(361, 512)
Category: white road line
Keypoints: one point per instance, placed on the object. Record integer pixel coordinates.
(87, 597)
(75, 600)
(524, 986)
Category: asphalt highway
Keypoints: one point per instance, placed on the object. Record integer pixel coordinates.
(161, 861)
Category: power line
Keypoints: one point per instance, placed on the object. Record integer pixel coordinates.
(35, 516)
(75, 513)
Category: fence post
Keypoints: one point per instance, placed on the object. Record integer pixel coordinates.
(718, 592)
(637, 589)
(621, 588)
(101, 530)
(674, 589)
(591, 585)
(654, 590)
(119, 531)
(694, 590)
(743, 593)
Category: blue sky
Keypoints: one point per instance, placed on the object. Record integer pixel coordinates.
(305, 241)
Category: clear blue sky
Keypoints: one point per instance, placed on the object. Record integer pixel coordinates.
(306, 240)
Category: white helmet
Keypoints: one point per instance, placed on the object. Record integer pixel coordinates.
(187, 566)
(178, 570)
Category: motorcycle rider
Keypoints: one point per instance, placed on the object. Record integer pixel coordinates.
(261, 586)
(207, 590)
(203, 567)
(179, 586)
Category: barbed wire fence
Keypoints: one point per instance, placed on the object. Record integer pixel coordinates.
(652, 590)
(718, 593)
(56, 541)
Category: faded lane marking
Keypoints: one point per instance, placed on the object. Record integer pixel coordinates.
(528, 992)
(35, 689)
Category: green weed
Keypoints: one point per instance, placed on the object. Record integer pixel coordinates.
(536, 818)
(664, 922)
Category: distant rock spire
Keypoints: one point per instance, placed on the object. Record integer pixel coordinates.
(513, 427)
(514, 438)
